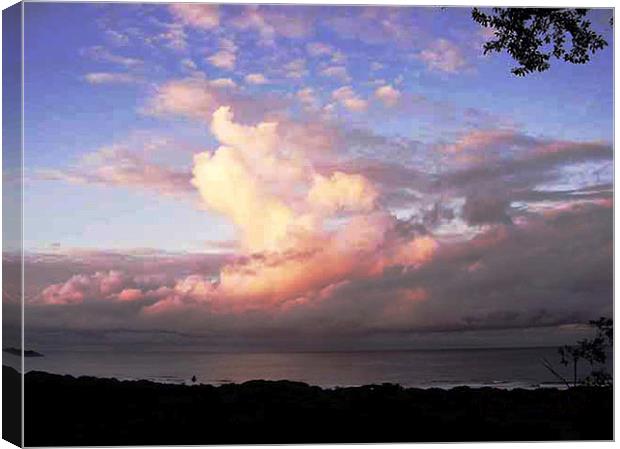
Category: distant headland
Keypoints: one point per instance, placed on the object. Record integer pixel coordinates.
(18, 352)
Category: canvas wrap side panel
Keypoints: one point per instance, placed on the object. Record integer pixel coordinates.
(12, 194)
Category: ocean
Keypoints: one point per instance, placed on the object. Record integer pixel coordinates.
(501, 368)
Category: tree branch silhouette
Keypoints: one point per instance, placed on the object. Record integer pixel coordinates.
(531, 36)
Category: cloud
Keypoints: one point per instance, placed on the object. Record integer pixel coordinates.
(227, 185)
(149, 266)
(374, 66)
(191, 97)
(226, 57)
(347, 97)
(504, 175)
(308, 98)
(271, 22)
(296, 68)
(509, 149)
(102, 54)
(319, 49)
(338, 72)
(484, 139)
(197, 98)
(298, 278)
(173, 35)
(117, 37)
(295, 243)
(223, 83)
(200, 16)
(373, 25)
(484, 209)
(480, 160)
(110, 78)
(189, 64)
(256, 78)
(342, 191)
(223, 59)
(569, 261)
(547, 272)
(371, 283)
(118, 166)
(388, 95)
(443, 56)
(112, 285)
(248, 180)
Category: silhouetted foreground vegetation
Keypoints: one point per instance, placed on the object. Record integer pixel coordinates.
(591, 350)
(63, 410)
(11, 406)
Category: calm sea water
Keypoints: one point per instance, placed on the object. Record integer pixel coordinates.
(502, 368)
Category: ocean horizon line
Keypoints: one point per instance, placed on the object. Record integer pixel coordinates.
(97, 348)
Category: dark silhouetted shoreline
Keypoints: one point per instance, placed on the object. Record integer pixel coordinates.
(18, 352)
(64, 410)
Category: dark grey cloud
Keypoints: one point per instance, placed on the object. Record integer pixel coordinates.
(486, 209)
(520, 160)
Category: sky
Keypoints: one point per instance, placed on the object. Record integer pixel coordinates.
(309, 176)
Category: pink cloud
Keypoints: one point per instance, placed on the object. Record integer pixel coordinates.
(102, 54)
(197, 98)
(362, 249)
(296, 68)
(173, 35)
(308, 98)
(348, 98)
(130, 294)
(482, 139)
(271, 23)
(319, 49)
(256, 78)
(112, 285)
(118, 166)
(388, 95)
(196, 15)
(479, 147)
(339, 72)
(110, 78)
(226, 57)
(101, 285)
(443, 56)
(342, 192)
(375, 25)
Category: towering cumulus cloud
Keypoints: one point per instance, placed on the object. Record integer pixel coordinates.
(245, 179)
(270, 189)
(301, 231)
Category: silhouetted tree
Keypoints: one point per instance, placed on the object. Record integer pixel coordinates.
(593, 351)
(532, 35)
